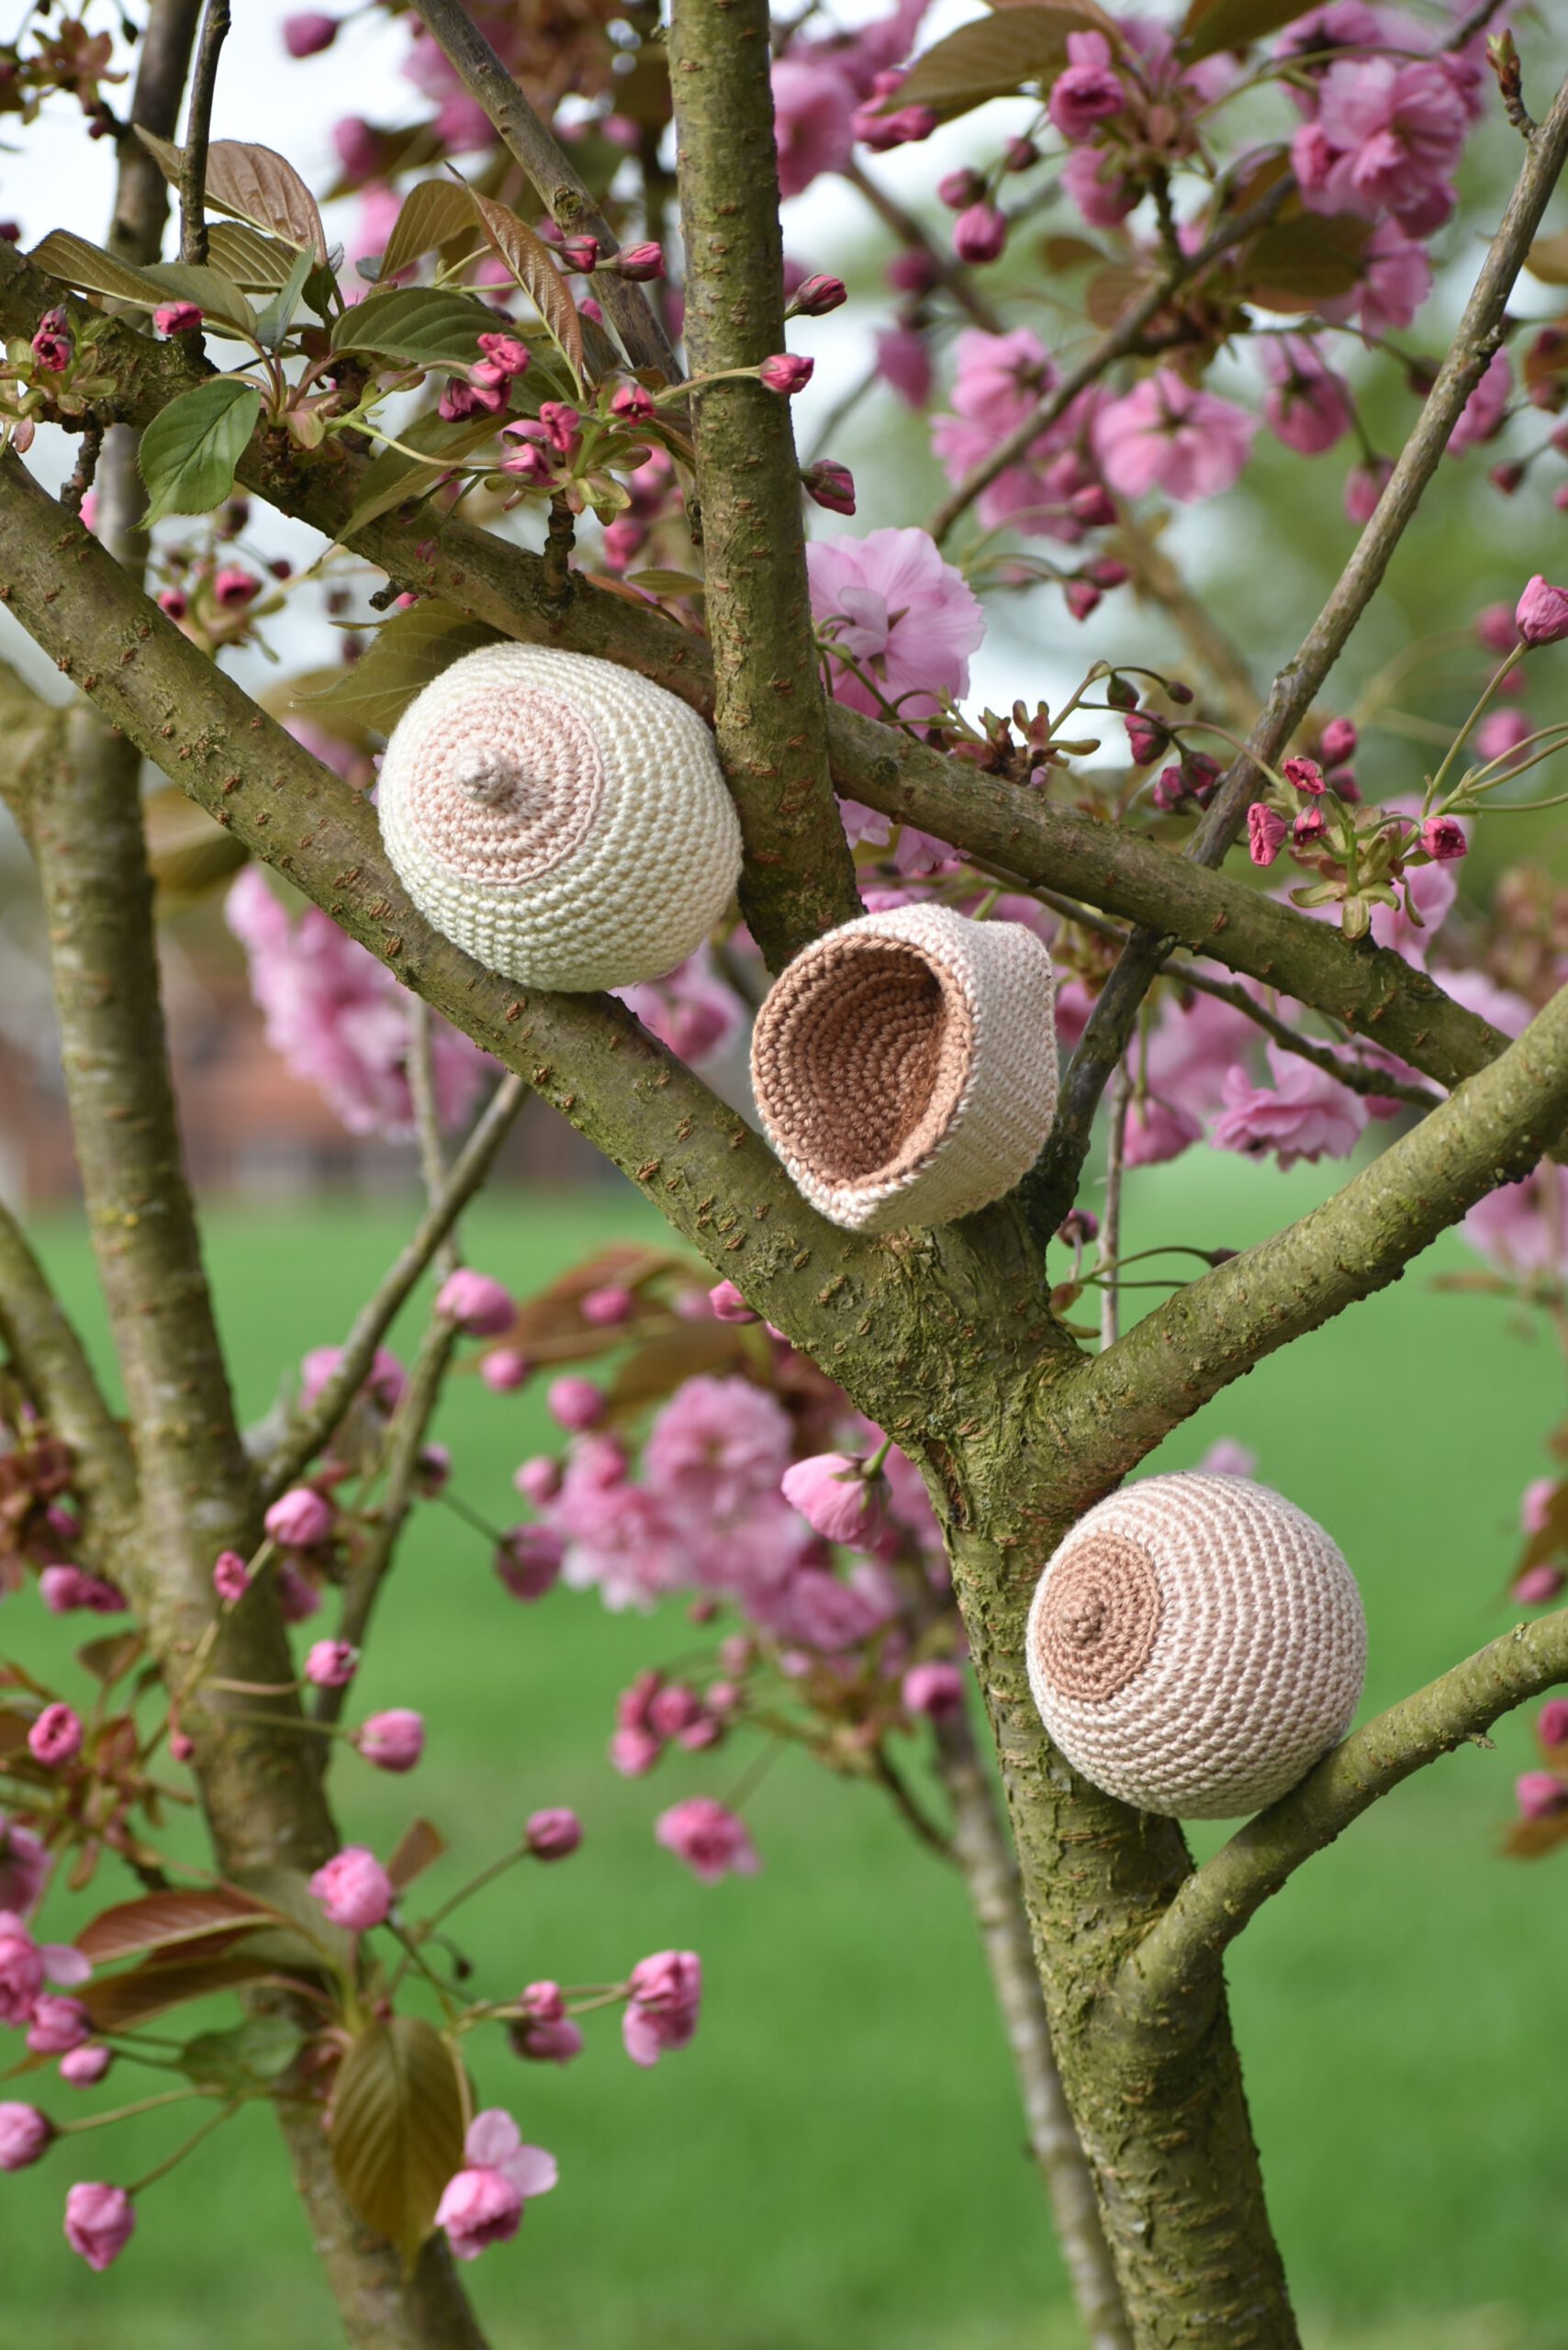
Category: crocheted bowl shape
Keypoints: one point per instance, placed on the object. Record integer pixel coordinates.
(561, 818)
(905, 1065)
(1195, 1644)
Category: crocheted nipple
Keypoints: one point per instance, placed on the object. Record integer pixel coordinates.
(1099, 1619)
(494, 806)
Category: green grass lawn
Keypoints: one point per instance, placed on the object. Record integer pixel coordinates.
(838, 2159)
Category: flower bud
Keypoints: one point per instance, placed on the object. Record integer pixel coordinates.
(785, 373)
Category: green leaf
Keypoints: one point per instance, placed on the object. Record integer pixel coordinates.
(1304, 260)
(159, 1921)
(393, 477)
(420, 325)
(995, 55)
(410, 649)
(189, 451)
(397, 2128)
(248, 2055)
(1213, 25)
(273, 324)
(259, 185)
(660, 582)
(77, 262)
(256, 263)
(432, 214)
(532, 264)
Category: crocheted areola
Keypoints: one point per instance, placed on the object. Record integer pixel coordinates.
(1196, 1645)
(561, 818)
(905, 1065)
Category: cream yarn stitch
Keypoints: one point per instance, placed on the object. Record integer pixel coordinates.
(905, 1065)
(1195, 1644)
(561, 818)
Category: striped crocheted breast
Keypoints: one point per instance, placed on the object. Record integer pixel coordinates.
(905, 1065)
(1196, 1645)
(561, 818)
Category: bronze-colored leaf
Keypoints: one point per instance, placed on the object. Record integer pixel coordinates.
(107, 1660)
(1549, 1539)
(997, 55)
(1548, 259)
(1061, 254)
(656, 1368)
(1214, 25)
(189, 854)
(532, 264)
(555, 1311)
(260, 187)
(256, 262)
(116, 2002)
(161, 1920)
(397, 2128)
(660, 582)
(1302, 260)
(409, 651)
(433, 212)
(1531, 1840)
(1113, 291)
(420, 1846)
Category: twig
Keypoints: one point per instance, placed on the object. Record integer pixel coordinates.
(980, 1846)
(1056, 1178)
(375, 1318)
(1124, 338)
(89, 448)
(770, 717)
(1216, 1903)
(54, 1369)
(556, 181)
(950, 274)
(199, 130)
(560, 537)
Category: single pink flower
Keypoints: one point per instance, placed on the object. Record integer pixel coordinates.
(1535, 1504)
(813, 111)
(354, 1889)
(833, 1494)
(553, 1835)
(1305, 1114)
(1086, 92)
(56, 1736)
(1540, 615)
(25, 2135)
(666, 1998)
(99, 2222)
(300, 1518)
(1266, 830)
(1166, 431)
(230, 1577)
(1306, 406)
(905, 617)
(712, 1841)
(1387, 138)
(64, 1589)
(543, 2033)
(393, 1740)
(483, 2204)
(477, 1303)
(1443, 839)
(1337, 743)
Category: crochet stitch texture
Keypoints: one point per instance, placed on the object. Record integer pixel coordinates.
(561, 818)
(905, 1065)
(1195, 1644)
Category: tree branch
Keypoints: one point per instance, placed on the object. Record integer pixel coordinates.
(1186, 1946)
(469, 1171)
(198, 129)
(555, 181)
(769, 717)
(54, 1368)
(1491, 1131)
(1055, 1180)
(141, 192)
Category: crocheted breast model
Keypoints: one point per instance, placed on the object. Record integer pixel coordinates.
(1196, 1645)
(905, 1065)
(561, 818)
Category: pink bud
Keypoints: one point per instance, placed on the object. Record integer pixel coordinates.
(1541, 612)
(980, 235)
(25, 2135)
(233, 588)
(182, 1746)
(1539, 1793)
(1305, 773)
(1551, 1722)
(177, 318)
(56, 1736)
(230, 1577)
(1537, 1586)
(785, 373)
(1443, 839)
(911, 272)
(1082, 596)
(581, 254)
(81, 2067)
(331, 1664)
(819, 295)
(172, 603)
(575, 1403)
(539, 1480)
(632, 404)
(959, 190)
(1265, 832)
(99, 2222)
(554, 1835)
(57, 2026)
(833, 1494)
(1364, 484)
(527, 1560)
(354, 1889)
(502, 1369)
(506, 353)
(477, 1303)
(306, 35)
(1308, 828)
(727, 1304)
(936, 1689)
(1338, 743)
(639, 262)
(605, 1307)
(393, 1740)
(300, 1518)
(828, 484)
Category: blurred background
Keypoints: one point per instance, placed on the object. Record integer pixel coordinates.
(838, 2159)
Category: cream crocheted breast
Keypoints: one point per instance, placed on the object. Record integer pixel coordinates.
(905, 1065)
(559, 817)
(1196, 1645)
